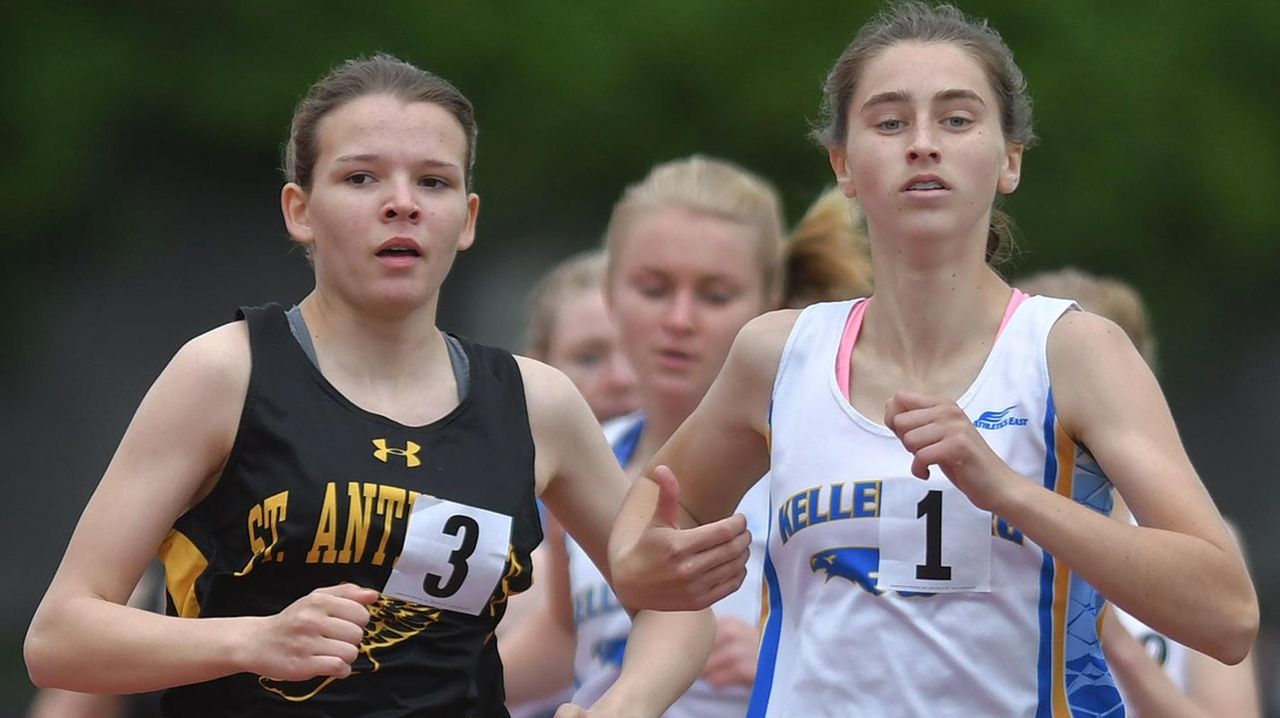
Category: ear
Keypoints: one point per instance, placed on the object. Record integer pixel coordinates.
(1011, 173)
(293, 205)
(839, 159)
(468, 236)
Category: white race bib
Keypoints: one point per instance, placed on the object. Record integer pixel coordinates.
(453, 556)
(932, 538)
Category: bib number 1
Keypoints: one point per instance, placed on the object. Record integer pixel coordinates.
(930, 508)
(453, 556)
(932, 538)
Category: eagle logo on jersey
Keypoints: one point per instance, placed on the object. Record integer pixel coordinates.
(858, 565)
(391, 621)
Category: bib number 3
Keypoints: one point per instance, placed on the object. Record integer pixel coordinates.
(453, 556)
(932, 538)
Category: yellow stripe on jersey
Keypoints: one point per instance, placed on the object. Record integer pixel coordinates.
(764, 608)
(1063, 486)
(183, 564)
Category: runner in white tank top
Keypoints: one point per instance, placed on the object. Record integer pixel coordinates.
(927, 121)
(824, 549)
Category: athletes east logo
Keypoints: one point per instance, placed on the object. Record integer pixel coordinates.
(998, 419)
(409, 452)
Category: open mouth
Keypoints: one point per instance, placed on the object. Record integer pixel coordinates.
(399, 252)
(399, 248)
(924, 184)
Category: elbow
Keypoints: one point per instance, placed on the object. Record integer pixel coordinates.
(40, 658)
(1233, 644)
(47, 653)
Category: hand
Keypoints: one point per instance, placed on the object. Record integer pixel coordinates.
(937, 431)
(733, 656)
(673, 569)
(317, 635)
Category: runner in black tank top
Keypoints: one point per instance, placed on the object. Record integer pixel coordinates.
(318, 495)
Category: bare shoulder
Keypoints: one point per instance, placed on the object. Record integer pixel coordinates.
(1097, 375)
(1084, 336)
(219, 355)
(759, 344)
(203, 388)
(201, 392)
(548, 392)
(1085, 348)
(559, 417)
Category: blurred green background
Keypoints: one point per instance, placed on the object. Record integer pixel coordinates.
(140, 193)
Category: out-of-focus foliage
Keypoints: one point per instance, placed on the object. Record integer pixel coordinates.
(1160, 158)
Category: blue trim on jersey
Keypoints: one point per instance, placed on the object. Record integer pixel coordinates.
(1044, 662)
(625, 447)
(759, 705)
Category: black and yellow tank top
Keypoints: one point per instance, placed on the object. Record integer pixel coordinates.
(317, 491)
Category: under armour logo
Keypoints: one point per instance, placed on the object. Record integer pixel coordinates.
(409, 452)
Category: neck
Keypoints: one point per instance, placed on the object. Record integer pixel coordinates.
(921, 316)
(377, 347)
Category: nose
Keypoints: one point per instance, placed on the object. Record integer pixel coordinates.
(400, 203)
(681, 311)
(923, 143)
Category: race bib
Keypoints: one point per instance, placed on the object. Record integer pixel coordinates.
(932, 538)
(453, 556)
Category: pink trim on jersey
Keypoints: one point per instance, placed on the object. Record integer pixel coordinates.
(844, 355)
(1018, 297)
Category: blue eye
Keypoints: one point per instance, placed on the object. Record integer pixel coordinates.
(958, 123)
(890, 125)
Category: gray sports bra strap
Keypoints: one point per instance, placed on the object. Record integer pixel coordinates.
(298, 326)
(457, 355)
(461, 365)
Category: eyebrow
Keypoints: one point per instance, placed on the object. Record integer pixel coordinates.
(374, 157)
(902, 97)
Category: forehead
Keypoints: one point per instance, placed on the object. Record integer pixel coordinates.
(921, 70)
(384, 125)
(684, 242)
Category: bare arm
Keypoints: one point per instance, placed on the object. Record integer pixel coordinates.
(84, 638)
(717, 454)
(1109, 401)
(583, 485)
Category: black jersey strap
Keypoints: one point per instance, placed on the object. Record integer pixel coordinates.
(457, 355)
